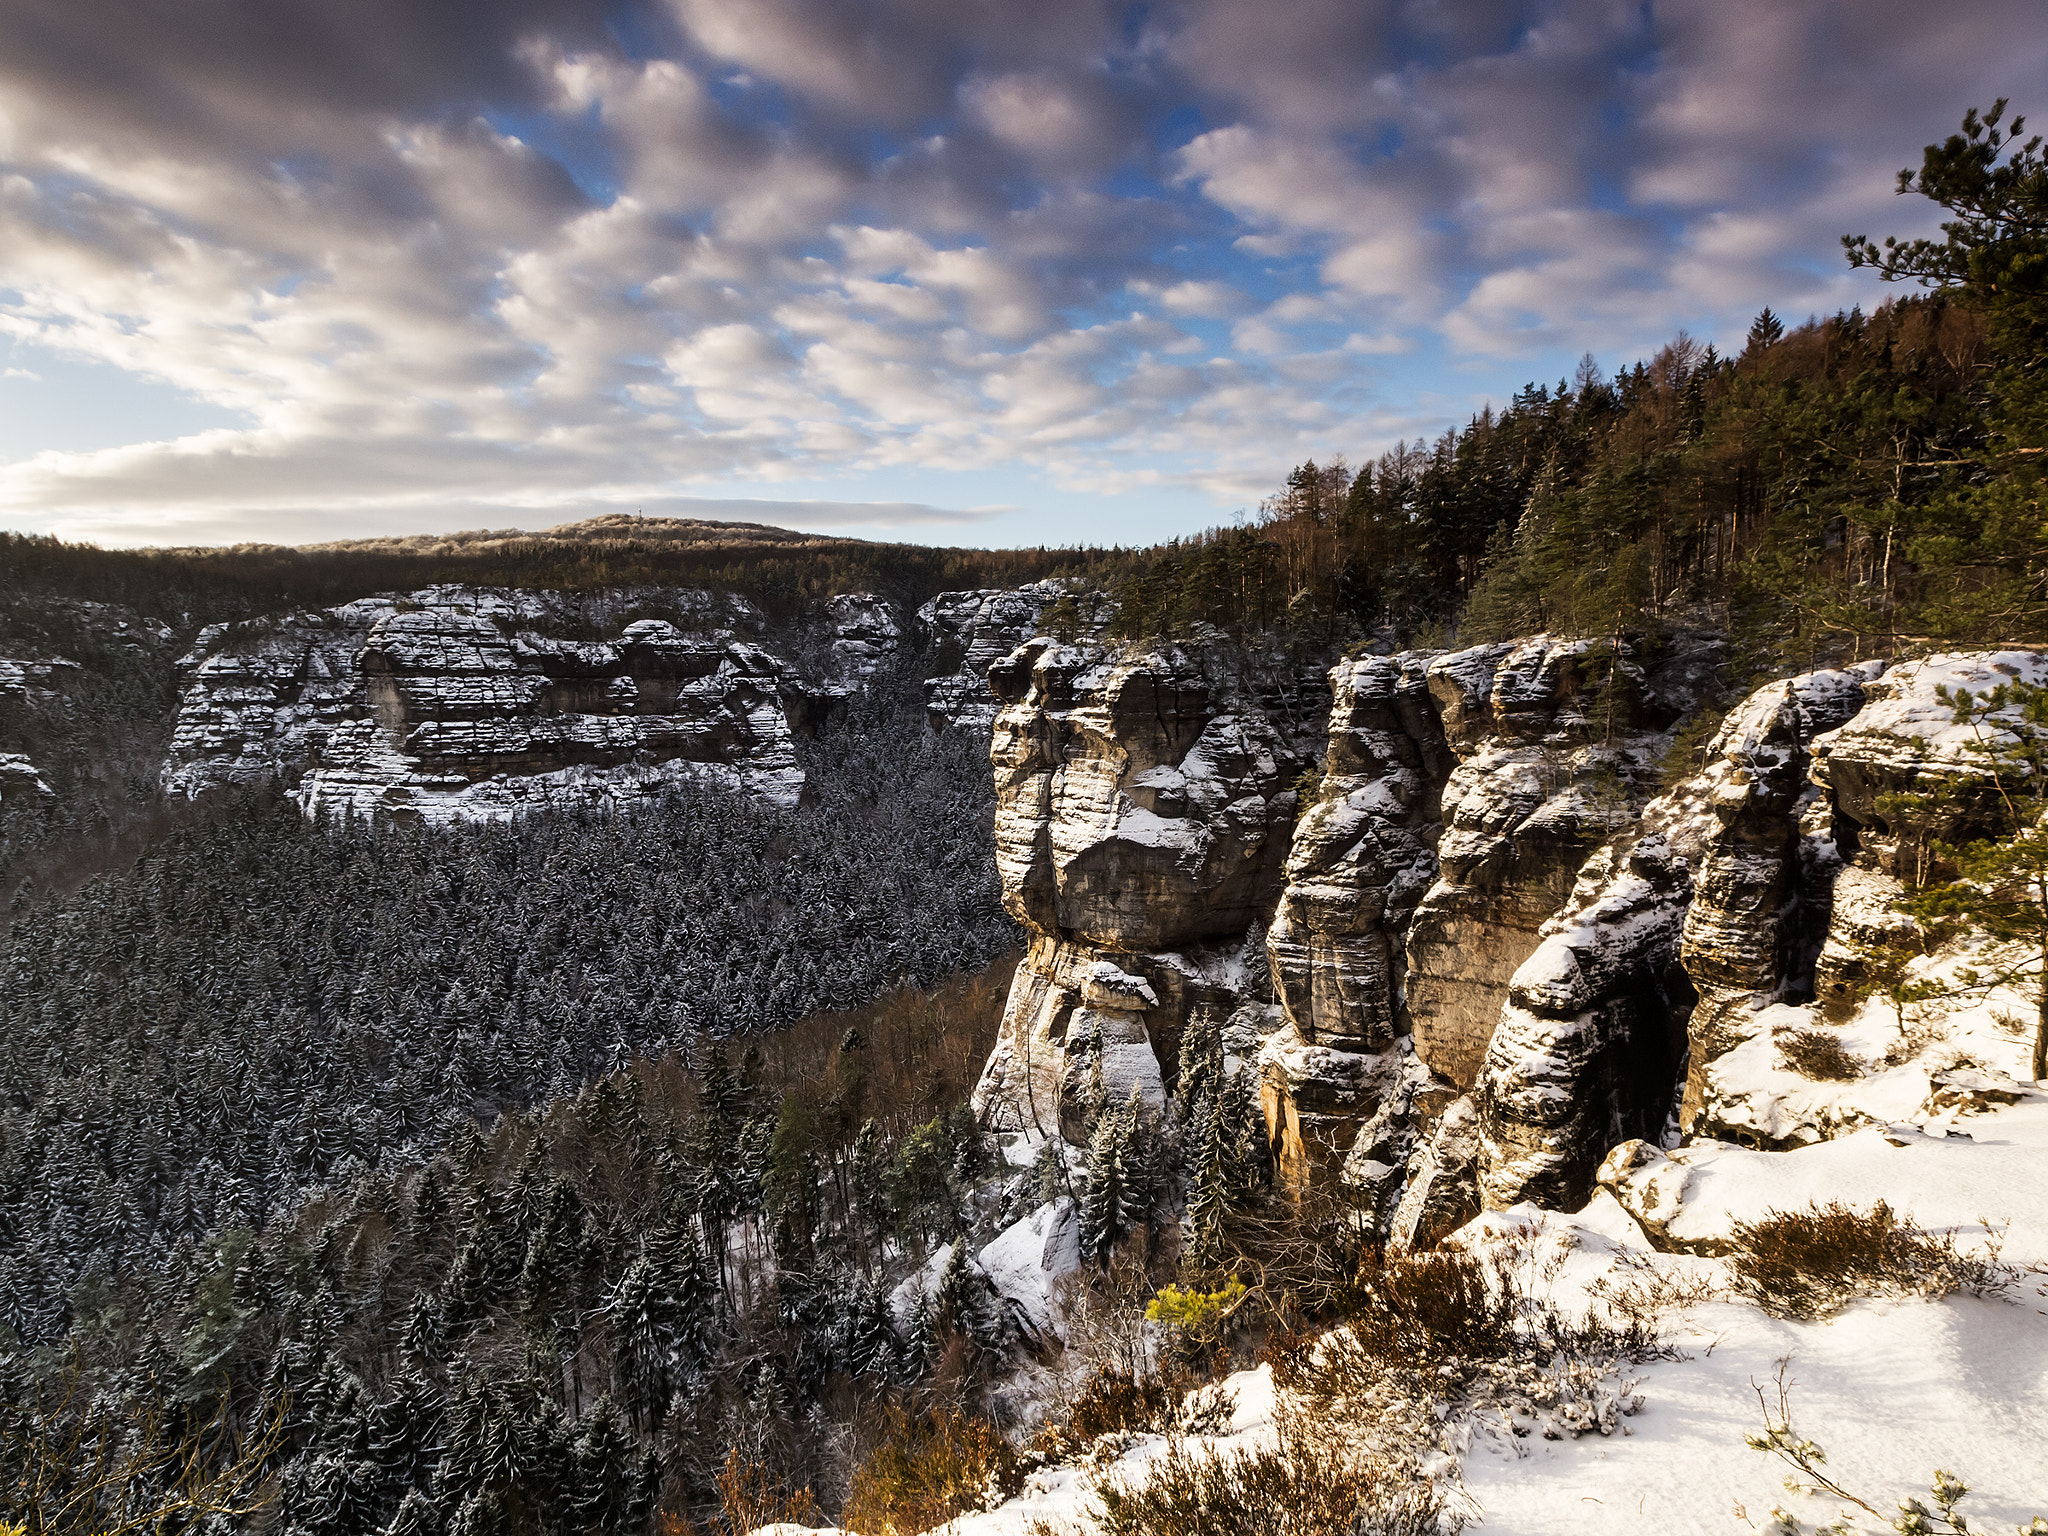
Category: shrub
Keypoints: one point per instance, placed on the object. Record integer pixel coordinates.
(1820, 1055)
(1810, 1263)
(928, 1468)
(749, 1497)
(1423, 1308)
(1197, 1315)
(1301, 1488)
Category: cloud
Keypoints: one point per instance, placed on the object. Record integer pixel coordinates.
(438, 255)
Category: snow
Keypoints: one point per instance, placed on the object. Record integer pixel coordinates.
(1891, 1389)
(1028, 1261)
(1883, 1388)
(1903, 723)
(1983, 1177)
(1062, 1493)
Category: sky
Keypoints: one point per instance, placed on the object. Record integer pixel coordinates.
(957, 271)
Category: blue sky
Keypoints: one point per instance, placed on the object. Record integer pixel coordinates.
(992, 274)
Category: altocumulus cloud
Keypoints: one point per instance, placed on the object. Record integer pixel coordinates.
(454, 259)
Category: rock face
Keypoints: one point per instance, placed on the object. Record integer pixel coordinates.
(20, 779)
(985, 625)
(866, 631)
(1594, 1031)
(1779, 1004)
(1461, 795)
(1763, 880)
(1144, 806)
(1555, 750)
(1363, 854)
(1498, 950)
(457, 702)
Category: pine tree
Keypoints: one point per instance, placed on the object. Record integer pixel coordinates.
(606, 1463)
(643, 1342)
(1119, 1194)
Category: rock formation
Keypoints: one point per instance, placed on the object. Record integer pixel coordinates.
(459, 702)
(1144, 806)
(1461, 795)
(983, 626)
(1594, 1032)
(1557, 745)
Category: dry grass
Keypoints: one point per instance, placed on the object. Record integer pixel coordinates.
(927, 1468)
(1303, 1487)
(1820, 1055)
(1810, 1263)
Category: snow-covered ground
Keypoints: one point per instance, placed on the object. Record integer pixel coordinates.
(1892, 1389)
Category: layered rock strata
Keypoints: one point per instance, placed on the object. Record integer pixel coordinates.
(1461, 795)
(1144, 806)
(1476, 813)
(984, 625)
(1557, 745)
(459, 702)
(1589, 1044)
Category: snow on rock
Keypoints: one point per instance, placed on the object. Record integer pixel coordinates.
(457, 702)
(866, 629)
(1144, 801)
(1766, 867)
(1593, 1031)
(1028, 1263)
(1978, 1176)
(1905, 738)
(1362, 855)
(985, 625)
(20, 778)
(1555, 750)
(31, 677)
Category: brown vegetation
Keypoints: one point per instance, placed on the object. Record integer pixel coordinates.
(1813, 1262)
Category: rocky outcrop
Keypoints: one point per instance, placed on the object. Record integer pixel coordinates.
(457, 702)
(867, 631)
(1488, 892)
(32, 677)
(1762, 887)
(1461, 796)
(973, 630)
(1557, 745)
(1905, 740)
(20, 779)
(1144, 805)
(1590, 1041)
(1363, 854)
(1794, 1041)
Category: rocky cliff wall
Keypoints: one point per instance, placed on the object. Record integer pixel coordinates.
(1496, 945)
(454, 702)
(1462, 793)
(1557, 744)
(984, 625)
(1145, 801)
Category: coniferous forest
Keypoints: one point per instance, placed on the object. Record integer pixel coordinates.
(563, 1175)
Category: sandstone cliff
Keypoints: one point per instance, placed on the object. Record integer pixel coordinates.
(1144, 806)
(1496, 946)
(975, 629)
(459, 702)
